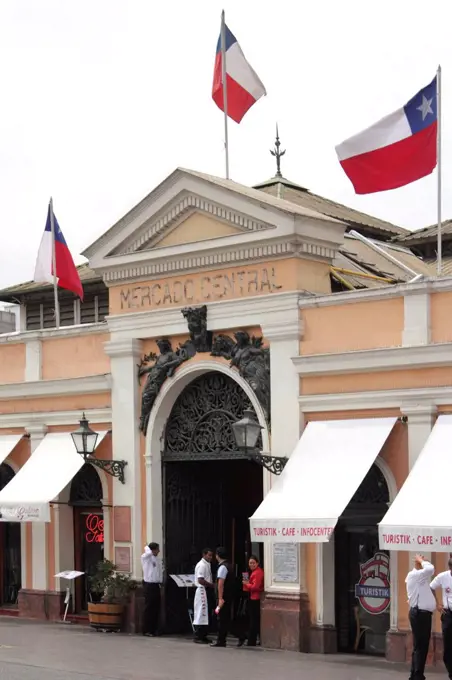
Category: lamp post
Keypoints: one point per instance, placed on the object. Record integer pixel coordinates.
(85, 440)
(246, 433)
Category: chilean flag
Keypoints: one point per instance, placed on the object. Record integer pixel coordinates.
(399, 149)
(243, 85)
(66, 270)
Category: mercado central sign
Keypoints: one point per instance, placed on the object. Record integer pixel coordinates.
(232, 283)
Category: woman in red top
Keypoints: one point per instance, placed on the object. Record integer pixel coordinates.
(254, 586)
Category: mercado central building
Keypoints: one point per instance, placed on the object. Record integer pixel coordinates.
(209, 307)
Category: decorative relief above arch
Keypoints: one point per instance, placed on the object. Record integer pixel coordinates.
(246, 354)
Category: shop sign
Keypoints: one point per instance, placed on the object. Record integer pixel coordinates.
(373, 588)
(21, 513)
(94, 529)
(433, 540)
(290, 532)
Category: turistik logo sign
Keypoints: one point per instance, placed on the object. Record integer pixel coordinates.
(373, 589)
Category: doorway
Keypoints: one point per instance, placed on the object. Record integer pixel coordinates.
(362, 571)
(210, 488)
(86, 500)
(10, 548)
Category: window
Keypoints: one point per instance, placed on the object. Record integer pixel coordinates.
(40, 312)
(94, 308)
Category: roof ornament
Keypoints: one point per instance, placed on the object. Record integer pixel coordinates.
(277, 153)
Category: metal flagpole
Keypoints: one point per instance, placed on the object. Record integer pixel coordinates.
(438, 156)
(55, 282)
(225, 90)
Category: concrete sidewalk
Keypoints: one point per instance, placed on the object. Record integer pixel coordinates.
(38, 651)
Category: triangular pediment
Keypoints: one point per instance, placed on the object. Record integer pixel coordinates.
(192, 220)
(189, 219)
(196, 227)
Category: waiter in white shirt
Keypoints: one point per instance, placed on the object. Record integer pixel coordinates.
(422, 605)
(204, 581)
(152, 580)
(444, 605)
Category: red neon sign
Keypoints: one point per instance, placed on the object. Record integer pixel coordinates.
(94, 529)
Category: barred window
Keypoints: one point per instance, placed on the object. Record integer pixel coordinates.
(94, 307)
(40, 310)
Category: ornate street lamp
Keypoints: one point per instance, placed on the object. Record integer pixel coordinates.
(85, 440)
(246, 433)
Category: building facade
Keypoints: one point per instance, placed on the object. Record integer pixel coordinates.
(207, 299)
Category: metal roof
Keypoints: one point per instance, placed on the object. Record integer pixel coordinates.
(425, 234)
(289, 191)
(8, 294)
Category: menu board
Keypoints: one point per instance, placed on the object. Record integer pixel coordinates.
(285, 562)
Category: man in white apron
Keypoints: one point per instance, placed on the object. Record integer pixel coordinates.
(204, 581)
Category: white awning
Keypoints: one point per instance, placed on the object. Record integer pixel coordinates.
(420, 517)
(7, 444)
(319, 480)
(53, 464)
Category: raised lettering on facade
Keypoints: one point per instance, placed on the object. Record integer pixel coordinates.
(208, 287)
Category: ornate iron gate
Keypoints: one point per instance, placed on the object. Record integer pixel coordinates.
(203, 498)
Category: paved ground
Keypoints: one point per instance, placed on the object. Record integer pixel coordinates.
(34, 651)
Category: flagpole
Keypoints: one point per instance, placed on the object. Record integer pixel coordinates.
(225, 90)
(55, 281)
(438, 155)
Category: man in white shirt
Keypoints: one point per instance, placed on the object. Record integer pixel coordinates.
(204, 582)
(422, 605)
(152, 580)
(444, 605)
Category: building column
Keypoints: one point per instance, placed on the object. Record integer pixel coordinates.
(421, 417)
(36, 598)
(285, 611)
(33, 360)
(416, 329)
(124, 355)
(39, 579)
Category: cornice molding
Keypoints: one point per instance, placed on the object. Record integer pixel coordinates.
(372, 360)
(429, 285)
(37, 423)
(124, 347)
(189, 204)
(271, 310)
(157, 264)
(420, 398)
(48, 333)
(92, 384)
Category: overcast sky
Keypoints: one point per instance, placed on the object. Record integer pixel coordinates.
(102, 99)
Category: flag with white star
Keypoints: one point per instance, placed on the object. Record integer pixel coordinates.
(399, 149)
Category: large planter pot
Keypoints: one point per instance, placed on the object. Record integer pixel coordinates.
(105, 616)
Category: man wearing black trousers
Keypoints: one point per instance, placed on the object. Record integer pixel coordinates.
(152, 580)
(444, 605)
(225, 596)
(422, 605)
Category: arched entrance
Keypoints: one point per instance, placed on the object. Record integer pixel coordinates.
(10, 550)
(210, 488)
(86, 500)
(362, 570)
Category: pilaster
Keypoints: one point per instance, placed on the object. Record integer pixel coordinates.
(39, 544)
(416, 305)
(33, 360)
(124, 355)
(420, 422)
(283, 335)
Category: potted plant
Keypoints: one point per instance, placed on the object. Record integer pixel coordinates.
(109, 591)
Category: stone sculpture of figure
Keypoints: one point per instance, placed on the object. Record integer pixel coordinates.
(252, 361)
(200, 337)
(163, 367)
